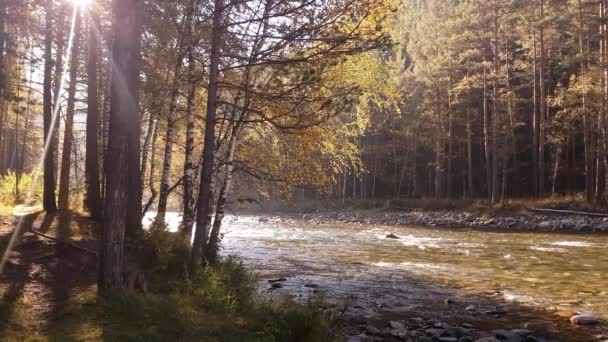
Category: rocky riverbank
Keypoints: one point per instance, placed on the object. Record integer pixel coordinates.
(529, 221)
(418, 329)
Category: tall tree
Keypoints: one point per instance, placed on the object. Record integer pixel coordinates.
(48, 201)
(68, 138)
(93, 195)
(123, 131)
(205, 196)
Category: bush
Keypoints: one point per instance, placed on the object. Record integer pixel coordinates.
(27, 192)
(290, 322)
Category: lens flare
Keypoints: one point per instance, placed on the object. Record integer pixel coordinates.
(81, 3)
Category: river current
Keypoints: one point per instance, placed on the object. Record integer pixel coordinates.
(548, 271)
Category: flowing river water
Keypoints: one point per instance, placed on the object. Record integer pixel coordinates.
(426, 267)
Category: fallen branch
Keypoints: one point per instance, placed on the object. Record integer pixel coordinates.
(84, 249)
(568, 212)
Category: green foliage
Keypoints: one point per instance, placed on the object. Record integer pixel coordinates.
(26, 193)
(164, 254)
(223, 286)
(216, 305)
(288, 322)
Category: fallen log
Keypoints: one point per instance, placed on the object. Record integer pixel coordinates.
(84, 249)
(567, 212)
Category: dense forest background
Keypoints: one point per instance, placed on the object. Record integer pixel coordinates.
(344, 100)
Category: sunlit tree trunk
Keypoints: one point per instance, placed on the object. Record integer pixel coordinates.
(163, 194)
(48, 197)
(68, 138)
(486, 137)
(205, 197)
(123, 131)
(214, 238)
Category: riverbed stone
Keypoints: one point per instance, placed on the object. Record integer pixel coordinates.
(372, 330)
(487, 339)
(584, 319)
(448, 339)
(391, 236)
(396, 325)
(508, 336)
(522, 332)
(544, 225)
(358, 338)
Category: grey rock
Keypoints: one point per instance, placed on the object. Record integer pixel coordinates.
(544, 225)
(522, 332)
(358, 338)
(372, 330)
(584, 319)
(263, 219)
(396, 325)
(508, 336)
(276, 285)
(400, 333)
(277, 280)
(312, 286)
(434, 332)
(392, 236)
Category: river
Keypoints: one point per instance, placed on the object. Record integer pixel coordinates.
(426, 267)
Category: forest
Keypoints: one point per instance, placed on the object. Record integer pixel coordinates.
(141, 135)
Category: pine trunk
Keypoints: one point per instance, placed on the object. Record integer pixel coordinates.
(64, 178)
(93, 196)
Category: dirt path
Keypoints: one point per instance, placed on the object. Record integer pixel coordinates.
(41, 275)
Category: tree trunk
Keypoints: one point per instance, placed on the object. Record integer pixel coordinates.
(486, 137)
(93, 196)
(124, 122)
(48, 200)
(470, 156)
(214, 239)
(64, 179)
(205, 197)
(543, 104)
(163, 194)
(189, 169)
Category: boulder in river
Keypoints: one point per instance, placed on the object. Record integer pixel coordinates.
(544, 225)
(263, 219)
(391, 236)
(396, 325)
(584, 319)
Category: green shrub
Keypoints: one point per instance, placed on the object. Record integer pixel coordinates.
(27, 192)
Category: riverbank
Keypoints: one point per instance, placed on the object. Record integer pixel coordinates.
(505, 219)
(48, 292)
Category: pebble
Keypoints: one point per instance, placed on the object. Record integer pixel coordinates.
(584, 319)
(396, 325)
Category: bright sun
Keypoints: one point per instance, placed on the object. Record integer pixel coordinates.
(81, 3)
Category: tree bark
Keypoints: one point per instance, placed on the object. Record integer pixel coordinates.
(124, 122)
(205, 197)
(48, 197)
(189, 169)
(93, 195)
(64, 178)
(486, 137)
(543, 104)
